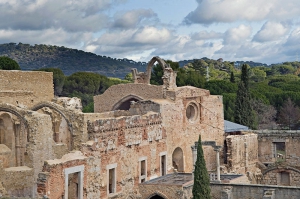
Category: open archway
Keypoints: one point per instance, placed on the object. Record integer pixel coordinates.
(156, 197)
(124, 103)
(177, 159)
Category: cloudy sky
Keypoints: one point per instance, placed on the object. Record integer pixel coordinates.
(266, 31)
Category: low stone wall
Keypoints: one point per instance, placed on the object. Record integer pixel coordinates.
(19, 181)
(253, 191)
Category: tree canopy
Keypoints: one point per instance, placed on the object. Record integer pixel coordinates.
(7, 63)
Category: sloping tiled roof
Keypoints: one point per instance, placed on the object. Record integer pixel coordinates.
(232, 127)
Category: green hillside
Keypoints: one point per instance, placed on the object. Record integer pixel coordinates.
(67, 59)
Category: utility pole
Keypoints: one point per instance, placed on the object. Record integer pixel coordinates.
(207, 74)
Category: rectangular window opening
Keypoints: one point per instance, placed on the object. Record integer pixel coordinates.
(74, 182)
(279, 151)
(142, 169)
(111, 180)
(163, 165)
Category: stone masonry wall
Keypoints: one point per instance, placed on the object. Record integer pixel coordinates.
(253, 191)
(273, 177)
(242, 153)
(114, 94)
(51, 181)
(22, 88)
(183, 132)
(292, 144)
(123, 141)
(38, 148)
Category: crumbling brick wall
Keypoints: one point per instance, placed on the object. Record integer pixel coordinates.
(123, 141)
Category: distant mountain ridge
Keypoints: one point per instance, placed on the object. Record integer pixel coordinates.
(32, 57)
(68, 60)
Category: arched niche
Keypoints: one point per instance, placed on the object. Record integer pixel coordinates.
(61, 132)
(124, 103)
(177, 159)
(13, 139)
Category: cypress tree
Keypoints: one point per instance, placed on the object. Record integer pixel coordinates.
(201, 188)
(243, 113)
(232, 79)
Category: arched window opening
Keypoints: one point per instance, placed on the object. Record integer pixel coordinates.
(177, 159)
(126, 104)
(156, 197)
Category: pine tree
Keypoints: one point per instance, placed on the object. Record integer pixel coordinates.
(243, 113)
(201, 189)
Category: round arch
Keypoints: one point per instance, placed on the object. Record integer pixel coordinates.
(157, 195)
(56, 108)
(177, 159)
(124, 103)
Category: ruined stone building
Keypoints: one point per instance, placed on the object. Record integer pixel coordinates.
(137, 144)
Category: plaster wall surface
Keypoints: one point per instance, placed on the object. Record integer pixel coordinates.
(22, 88)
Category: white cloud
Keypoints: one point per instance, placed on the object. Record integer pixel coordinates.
(133, 18)
(50, 36)
(71, 15)
(271, 31)
(216, 11)
(204, 35)
(127, 42)
(237, 35)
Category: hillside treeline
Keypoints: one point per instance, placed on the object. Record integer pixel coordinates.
(84, 85)
(68, 60)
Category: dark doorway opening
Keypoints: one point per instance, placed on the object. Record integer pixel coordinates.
(156, 197)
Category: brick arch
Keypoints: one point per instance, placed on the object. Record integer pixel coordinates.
(157, 193)
(281, 168)
(57, 108)
(125, 99)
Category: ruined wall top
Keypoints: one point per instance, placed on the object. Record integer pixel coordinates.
(25, 88)
(277, 133)
(169, 77)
